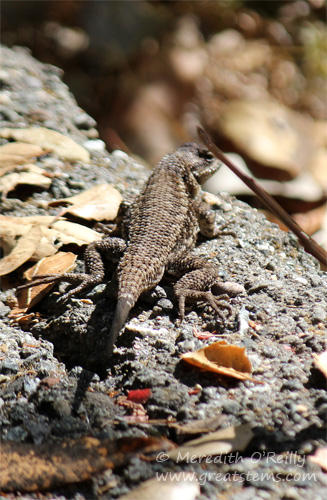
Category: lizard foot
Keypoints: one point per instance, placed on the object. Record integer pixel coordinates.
(83, 281)
(217, 303)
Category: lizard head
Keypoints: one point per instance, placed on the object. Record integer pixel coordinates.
(202, 162)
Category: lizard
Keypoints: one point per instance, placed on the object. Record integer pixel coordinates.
(157, 234)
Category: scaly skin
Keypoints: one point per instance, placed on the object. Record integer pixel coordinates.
(158, 232)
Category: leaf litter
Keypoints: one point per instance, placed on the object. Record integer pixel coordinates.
(59, 263)
(99, 203)
(50, 140)
(224, 359)
(31, 238)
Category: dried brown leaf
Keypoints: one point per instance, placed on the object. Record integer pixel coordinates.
(17, 153)
(29, 467)
(98, 203)
(215, 443)
(59, 263)
(50, 140)
(70, 232)
(22, 252)
(320, 360)
(222, 358)
(51, 238)
(31, 175)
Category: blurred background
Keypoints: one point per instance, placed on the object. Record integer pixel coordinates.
(253, 73)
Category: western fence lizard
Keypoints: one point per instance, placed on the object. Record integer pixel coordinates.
(157, 233)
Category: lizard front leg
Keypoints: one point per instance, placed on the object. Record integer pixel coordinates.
(94, 267)
(207, 221)
(196, 283)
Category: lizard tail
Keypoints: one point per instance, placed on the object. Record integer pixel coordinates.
(124, 305)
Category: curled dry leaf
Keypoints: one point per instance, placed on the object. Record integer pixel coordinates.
(50, 140)
(185, 487)
(320, 360)
(30, 467)
(70, 232)
(46, 240)
(23, 251)
(17, 153)
(59, 263)
(32, 175)
(215, 443)
(98, 203)
(224, 359)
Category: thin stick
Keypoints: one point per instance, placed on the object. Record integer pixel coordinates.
(308, 243)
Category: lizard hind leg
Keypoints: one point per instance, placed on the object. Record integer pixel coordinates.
(196, 284)
(94, 266)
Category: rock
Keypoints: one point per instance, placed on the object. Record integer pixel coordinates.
(49, 389)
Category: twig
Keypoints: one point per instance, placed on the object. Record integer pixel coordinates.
(308, 243)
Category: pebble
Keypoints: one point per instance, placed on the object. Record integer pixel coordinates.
(322, 411)
(120, 155)
(265, 248)
(186, 346)
(31, 385)
(208, 393)
(270, 266)
(5, 98)
(318, 314)
(301, 280)
(33, 82)
(243, 321)
(8, 114)
(226, 207)
(17, 433)
(95, 145)
(4, 77)
(9, 366)
(84, 121)
(231, 407)
(165, 304)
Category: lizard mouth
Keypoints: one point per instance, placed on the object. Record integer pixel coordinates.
(206, 171)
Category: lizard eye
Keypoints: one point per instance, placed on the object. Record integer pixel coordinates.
(205, 154)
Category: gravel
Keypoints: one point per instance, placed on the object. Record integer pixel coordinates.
(51, 384)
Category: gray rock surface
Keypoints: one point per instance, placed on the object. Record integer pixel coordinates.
(50, 385)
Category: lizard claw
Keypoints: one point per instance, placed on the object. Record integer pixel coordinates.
(217, 303)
